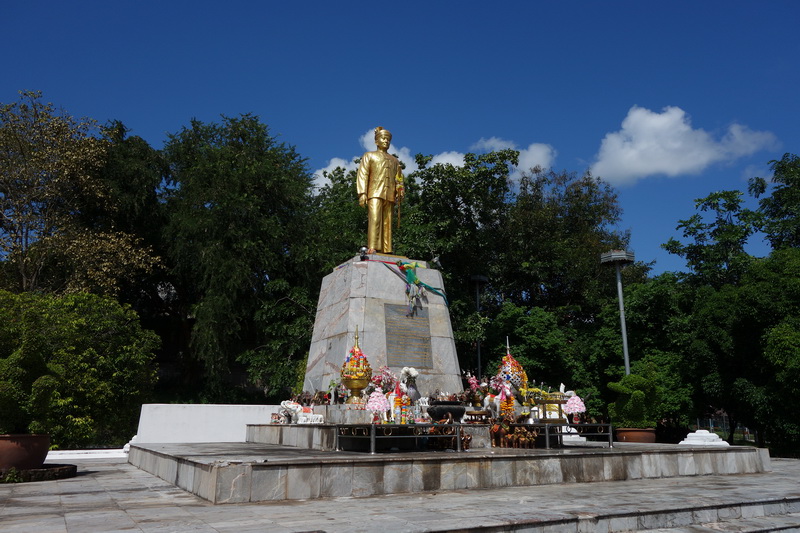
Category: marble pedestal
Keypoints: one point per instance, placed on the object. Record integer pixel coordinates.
(371, 295)
(703, 437)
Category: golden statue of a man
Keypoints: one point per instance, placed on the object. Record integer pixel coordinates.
(379, 185)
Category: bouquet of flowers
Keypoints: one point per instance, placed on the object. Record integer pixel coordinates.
(473, 383)
(503, 387)
(384, 380)
(574, 405)
(497, 383)
(377, 402)
(409, 375)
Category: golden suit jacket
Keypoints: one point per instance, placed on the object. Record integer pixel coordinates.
(379, 174)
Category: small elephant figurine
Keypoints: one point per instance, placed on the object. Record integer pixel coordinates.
(291, 410)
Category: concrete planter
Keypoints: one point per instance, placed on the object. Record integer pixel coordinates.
(644, 436)
(23, 451)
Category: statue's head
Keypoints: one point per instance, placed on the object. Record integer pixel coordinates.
(383, 138)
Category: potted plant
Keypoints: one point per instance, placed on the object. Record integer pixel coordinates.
(633, 413)
(25, 390)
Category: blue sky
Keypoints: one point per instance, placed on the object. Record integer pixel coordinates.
(667, 101)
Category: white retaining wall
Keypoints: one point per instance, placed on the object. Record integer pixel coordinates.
(162, 423)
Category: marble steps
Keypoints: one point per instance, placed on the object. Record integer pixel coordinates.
(744, 518)
(750, 516)
(253, 472)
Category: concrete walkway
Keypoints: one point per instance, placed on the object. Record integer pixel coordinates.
(110, 495)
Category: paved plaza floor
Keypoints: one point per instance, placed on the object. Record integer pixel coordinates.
(110, 495)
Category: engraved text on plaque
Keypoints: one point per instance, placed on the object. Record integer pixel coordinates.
(408, 338)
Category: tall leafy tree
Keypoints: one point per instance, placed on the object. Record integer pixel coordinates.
(781, 208)
(550, 274)
(717, 255)
(457, 212)
(557, 228)
(49, 166)
(236, 240)
(746, 345)
(133, 173)
(537, 341)
(741, 323)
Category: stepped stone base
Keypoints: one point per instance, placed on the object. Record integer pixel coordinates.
(252, 472)
(703, 437)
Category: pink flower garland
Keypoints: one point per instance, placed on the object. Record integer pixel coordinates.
(377, 402)
(574, 405)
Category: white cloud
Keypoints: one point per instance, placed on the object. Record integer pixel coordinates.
(492, 144)
(537, 154)
(665, 143)
(742, 141)
(752, 171)
(367, 141)
(320, 180)
(453, 158)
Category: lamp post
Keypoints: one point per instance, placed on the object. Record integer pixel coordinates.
(619, 258)
(479, 281)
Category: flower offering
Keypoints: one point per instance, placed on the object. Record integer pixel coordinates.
(385, 380)
(574, 405)
(512, 371)
(377, 402)
(355, 364)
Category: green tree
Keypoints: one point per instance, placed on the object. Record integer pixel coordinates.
(537, 342)
(557, 228)
(340, 224)
(558, 225)
(738, 333)
(77, 366)
(457, 213)
(717, 256)
(132, 173)
(717, 263)
(781, 208)
(238, 242)
(48, 182)
(745, 345)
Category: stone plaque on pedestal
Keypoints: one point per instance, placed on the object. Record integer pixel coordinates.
(372, 295)
(408, 337)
